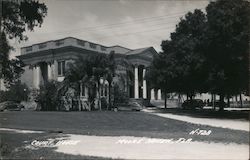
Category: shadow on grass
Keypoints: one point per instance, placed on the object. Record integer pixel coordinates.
(14, 146)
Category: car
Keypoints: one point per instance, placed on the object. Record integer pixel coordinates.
(135, 106)
(130, 106)
(193, 104)
(11, 106)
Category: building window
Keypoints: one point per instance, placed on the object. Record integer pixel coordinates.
(61, 68)
(103, 48)
(28, 49)
(42, 45)
(92, 45)
(60, 42)
(81, 43)
(83, 90)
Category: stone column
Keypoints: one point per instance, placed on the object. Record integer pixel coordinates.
(81, 89)
(159, 94)
(136, 83)
(86, 91)
(36, 76)
(144, 85)
(55, 70)
(50, 74)
(152, 94)
(107, 93)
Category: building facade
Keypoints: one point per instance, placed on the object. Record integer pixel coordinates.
(48, 61)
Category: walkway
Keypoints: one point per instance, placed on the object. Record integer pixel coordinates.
(231, 124)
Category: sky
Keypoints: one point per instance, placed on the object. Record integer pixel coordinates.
(129, 23)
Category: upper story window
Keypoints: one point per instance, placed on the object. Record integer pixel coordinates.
(92, 45)
(83, 90)
(42, 45)
(28, 49)
(103, 48)
(81, 43)
(61, 68)
(60, 42)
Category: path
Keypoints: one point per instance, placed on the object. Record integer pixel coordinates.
(231, 124)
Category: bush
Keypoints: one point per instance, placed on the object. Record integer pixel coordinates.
(47, 97)
(120, 96)
(104, 103)
(17, 92)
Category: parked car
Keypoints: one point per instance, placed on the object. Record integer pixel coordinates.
(130, 106)
(11, 106)
(135, 106)
(193, 104)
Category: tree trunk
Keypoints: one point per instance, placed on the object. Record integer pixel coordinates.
(213, 99)
(221, 104)
(99, 97)
(241, 104)
(179, 100)
(191, 97)
(110, 105)
(165, 99)
(228, 101)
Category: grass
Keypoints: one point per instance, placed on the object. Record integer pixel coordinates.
(12, 148)
(102, 123)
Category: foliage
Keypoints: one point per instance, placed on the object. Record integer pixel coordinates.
(89, 71)
(110, 75)
(120, 96)
(228, 46)
(47, 96)
(10, 70)
(17, 92)
(16, 18)
(179, 67)
(206, 53)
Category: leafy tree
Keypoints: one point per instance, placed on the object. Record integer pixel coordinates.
(188, 44)
(159, 74)
(179, 68)
(90, 70)
(17, 92)
(228, 24)
(17, 17)
(47, 96)
(110, 75)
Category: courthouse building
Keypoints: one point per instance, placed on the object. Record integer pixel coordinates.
(48, 61)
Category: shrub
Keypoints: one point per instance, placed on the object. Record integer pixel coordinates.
(47, 97)
(17, 92)
(120, 96)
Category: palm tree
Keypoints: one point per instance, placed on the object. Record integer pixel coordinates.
(110, 73)
(88, 70)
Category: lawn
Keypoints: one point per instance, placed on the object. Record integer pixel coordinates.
(100, 123)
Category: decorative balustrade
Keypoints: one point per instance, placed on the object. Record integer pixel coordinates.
(65, 42)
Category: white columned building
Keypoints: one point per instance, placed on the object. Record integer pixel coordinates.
(136, 83)
(144, 84)
(48, 61)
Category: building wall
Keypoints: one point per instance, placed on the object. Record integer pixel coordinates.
(2, 86)
(27, 76)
